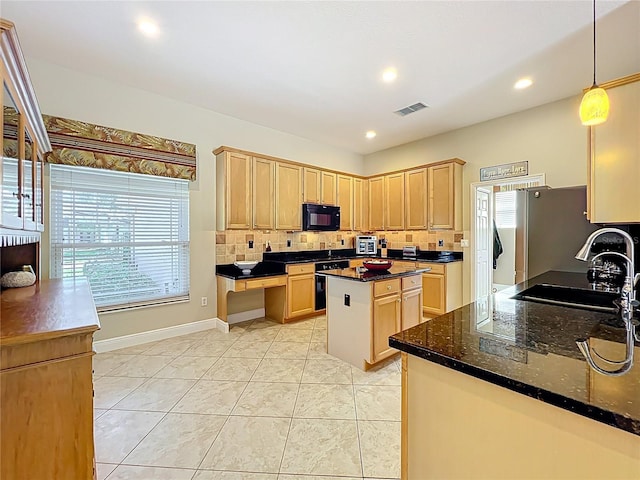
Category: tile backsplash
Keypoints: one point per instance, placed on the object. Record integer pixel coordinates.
(234, 245)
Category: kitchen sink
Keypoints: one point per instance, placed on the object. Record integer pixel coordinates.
(570, 297)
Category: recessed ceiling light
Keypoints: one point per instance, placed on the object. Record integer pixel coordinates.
(523, 83)
(149, 28)
(370, 134)
(389, 75)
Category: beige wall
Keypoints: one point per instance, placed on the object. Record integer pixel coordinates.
(70, 94)
(549, 137)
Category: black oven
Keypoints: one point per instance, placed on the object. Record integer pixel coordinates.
(320, 217)
(321, 280)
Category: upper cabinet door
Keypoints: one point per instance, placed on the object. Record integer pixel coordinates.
(614, 163)
(416, 199)
(328, 195)
(360, 204)
(263, 197)
(10, 168)
(345, 201)
(394, 201)
(233, 185)
(376, 203)
(288, 197)
(28, 182)
(445, 191)
(311, 188)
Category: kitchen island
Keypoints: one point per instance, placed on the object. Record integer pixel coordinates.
(365, 307)
(499, 389)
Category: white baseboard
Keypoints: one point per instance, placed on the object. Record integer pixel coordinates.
(222, 325)
(134, 339)
(244, 316)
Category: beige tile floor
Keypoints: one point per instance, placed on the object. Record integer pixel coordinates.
(262, 402)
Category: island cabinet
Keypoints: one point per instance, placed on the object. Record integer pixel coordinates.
(363, 314)
(614, 149)
(23, 143)
(46, 386)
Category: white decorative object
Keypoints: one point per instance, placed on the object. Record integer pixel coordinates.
(19, 279)
(245, 266)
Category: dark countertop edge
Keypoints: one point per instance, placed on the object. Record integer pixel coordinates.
(381, 276)
(609, 418)
(247, 277)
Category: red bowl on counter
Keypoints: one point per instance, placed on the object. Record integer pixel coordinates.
(377, 264)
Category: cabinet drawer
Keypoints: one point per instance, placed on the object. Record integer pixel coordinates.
(300, 268)
(266, 282)
(414, 281)
(385, 287)
(435, 267)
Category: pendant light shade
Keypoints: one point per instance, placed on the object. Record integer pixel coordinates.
(594, 108)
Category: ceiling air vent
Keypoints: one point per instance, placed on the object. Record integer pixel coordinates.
(403, 112)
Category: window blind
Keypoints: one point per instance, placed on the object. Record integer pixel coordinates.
(505, 209)
(127, 233)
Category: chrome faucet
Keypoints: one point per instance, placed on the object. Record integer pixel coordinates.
(627, 303)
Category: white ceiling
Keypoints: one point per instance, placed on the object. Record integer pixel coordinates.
(314, 68)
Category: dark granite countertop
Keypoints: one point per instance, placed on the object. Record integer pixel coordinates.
(361, 274)
(262, 269)
(530, 348)
(306, 256)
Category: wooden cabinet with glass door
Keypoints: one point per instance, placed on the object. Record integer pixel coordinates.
(24, 140)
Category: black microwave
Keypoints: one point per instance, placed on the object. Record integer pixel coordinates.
(320, 217)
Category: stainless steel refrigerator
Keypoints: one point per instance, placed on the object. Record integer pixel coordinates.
(551, 226)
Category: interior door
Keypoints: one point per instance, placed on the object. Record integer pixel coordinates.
(483, 242)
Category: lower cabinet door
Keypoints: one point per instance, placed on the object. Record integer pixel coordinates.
(433, 294)
(301, 291)
(411, 308)
(386, 322)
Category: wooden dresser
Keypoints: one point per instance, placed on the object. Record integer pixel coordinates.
(46, 386)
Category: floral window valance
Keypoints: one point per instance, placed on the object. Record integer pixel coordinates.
(83, 144)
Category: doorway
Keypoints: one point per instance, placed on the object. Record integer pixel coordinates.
(493, 229)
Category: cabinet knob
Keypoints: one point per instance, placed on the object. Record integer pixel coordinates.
(399, 300)
(388, 287)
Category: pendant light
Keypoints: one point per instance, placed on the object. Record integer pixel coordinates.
(594, 108)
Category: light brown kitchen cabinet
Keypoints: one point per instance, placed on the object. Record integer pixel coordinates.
(376, 203)
(387, 315)
(328, 188)
(345, 201)
(411, 302)
(311, 187)
(394, 201)
(233, 191)
(46, 385)
(441, 288)
(360, 204)
(301, 289)
(288, 196)
(445, 195)
(416, 199)
(24, 140)
(263, 193)
(614, 157)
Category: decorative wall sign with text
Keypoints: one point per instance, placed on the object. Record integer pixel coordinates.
(508, 170)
